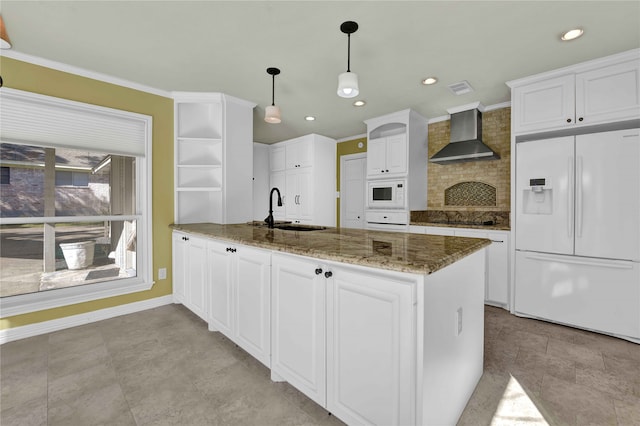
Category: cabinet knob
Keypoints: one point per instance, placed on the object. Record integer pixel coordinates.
(381, 171)
(318, 271)
(233, 250)
(387, 171)
(328, 274)
(581, 118)
(568, 120)
(228, 249)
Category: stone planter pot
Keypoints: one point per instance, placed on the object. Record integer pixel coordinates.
(78, 255)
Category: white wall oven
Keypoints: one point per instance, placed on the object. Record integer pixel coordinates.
(386, 194)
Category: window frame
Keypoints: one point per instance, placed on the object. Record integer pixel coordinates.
(8, 174)
(33, 302)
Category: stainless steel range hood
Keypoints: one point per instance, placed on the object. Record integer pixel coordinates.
(465, 143)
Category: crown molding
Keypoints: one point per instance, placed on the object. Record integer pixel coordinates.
(36, 60)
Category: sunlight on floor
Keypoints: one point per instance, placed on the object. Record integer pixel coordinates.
(516, 408)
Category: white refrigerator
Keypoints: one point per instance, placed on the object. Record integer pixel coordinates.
(577, 231)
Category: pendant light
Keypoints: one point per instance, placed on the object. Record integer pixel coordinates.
(272, 113)
(348, 81)
(5, 43)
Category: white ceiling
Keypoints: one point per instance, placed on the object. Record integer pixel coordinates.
(227, 46)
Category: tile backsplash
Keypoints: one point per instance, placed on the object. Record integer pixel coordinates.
(496, 128)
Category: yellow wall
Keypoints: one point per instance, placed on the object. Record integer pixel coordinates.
(346, 148)
(33, 78)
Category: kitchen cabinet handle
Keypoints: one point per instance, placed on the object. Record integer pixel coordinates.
(581, 118)
(497, 241)
(387, 171)
(579, 203)
(328, 274)
(568, 120)
(185, 238)
(318, 271)
(233, 250)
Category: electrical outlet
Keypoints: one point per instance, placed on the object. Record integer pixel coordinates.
(162, 273)
(459, 321)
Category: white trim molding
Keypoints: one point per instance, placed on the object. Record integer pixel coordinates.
(36, 60)
(17, 333)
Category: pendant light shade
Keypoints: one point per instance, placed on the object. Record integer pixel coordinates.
(272, 112)
(348, 81)
(348, 85)
(5, 43)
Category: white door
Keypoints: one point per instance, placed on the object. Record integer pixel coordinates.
(278, 181)
(352, 191)
(298, 324)
(370, 348)
(252, 302)
(545, 105)
(544, 219)
(397, 154)
(376, 156)
(608, 94)
(197, 283)
(497, 286)
(292, 191)
(608, 195)
(221, 288)
(597, 294)
(305, 194)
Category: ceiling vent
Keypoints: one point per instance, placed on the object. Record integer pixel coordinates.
(460, 88)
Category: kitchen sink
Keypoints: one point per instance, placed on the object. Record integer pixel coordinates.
(304, 228)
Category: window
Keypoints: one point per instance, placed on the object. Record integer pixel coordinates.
(5, 175)
(72, 178)
(58, 245)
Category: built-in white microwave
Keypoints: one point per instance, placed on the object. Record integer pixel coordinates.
(386, 194)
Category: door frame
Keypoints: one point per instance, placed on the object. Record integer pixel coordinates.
(343, 159)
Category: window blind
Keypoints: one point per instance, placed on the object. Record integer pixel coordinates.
(34, 119)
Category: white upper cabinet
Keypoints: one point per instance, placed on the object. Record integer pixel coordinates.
(397, 149)
(277, 159)
(608, 94)
(213, 145)
(544, 105)
(299, 153)
(601, 91)
(305, 174)
(387, 156)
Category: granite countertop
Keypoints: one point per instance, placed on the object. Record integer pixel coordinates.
(396, 251)
(494, 227)
(487, 220)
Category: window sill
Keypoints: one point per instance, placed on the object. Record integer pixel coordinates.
(33, 302)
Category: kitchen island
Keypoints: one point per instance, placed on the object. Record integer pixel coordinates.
(377, 327)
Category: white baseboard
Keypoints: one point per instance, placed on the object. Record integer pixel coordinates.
(17, 333)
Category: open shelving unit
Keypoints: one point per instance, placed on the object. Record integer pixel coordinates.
(202, 132)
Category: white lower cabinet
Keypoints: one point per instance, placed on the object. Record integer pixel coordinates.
(240, 306)
(374, 347)
(298, 352)
(190, 272)
(497, 268)
(497, 284)
(371, 347)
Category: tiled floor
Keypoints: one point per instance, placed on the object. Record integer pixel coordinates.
(162, 366)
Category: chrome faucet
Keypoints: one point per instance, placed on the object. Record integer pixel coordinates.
(269, 220)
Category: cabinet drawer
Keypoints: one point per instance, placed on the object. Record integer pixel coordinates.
(387, 217)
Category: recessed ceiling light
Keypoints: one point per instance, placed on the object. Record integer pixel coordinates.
(310, 118)
(572, 34)
(430, 80)
(359, 103)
